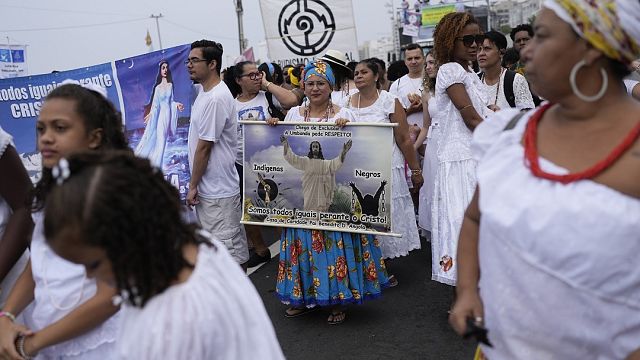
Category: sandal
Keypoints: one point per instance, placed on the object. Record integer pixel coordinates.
(295, 312)
(393, 282)
(337, 317)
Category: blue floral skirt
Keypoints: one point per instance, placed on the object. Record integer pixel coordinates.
(329, 268)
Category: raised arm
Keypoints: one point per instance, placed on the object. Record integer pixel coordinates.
(286, 98)
(345, 149)
(379, 192)
(357, 192)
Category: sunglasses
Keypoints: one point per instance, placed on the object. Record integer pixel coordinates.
(468, 40)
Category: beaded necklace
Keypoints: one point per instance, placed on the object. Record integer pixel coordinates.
(327, 114)
(531, 152)
(484, 80)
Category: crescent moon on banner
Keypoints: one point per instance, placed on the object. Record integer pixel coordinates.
(131, 67)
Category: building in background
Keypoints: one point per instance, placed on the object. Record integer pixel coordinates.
(381, 48)
(511, 13)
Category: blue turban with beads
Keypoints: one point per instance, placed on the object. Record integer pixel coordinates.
(320, 69)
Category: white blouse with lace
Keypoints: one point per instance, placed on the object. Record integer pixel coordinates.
(559, 274)
(521, 92)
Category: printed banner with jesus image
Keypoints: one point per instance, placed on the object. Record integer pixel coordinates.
(318, 176)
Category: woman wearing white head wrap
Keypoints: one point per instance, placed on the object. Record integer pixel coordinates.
(547, 257)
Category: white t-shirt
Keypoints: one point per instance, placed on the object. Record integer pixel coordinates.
(402, 88)
(214, 118)
(254, 109)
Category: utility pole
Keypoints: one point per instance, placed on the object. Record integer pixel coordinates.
(488, 15)
(239, 12)
(158, 27)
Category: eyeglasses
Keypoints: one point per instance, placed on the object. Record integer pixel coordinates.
(468, 40)
(193, 60)
(318, 84)
(253, 75)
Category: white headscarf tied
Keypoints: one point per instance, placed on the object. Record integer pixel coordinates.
(89, 86)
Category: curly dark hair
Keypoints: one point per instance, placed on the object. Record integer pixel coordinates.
(522, 27)
(444, 36)
(102, 200)
(97, 112)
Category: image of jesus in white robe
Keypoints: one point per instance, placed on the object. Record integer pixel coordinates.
(319, 178)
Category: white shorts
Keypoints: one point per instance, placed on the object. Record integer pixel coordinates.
(221, 217)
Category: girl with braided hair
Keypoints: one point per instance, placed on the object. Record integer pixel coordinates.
(190, 289)
(71, 317)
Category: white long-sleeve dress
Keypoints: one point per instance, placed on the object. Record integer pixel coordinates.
(163, 120)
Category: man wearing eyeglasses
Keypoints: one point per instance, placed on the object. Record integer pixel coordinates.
(212, 143)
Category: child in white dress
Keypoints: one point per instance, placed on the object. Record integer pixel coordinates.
(183, 295)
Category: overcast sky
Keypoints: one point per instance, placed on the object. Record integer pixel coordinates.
(75, 42)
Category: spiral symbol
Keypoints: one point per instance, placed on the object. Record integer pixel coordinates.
(306, 26)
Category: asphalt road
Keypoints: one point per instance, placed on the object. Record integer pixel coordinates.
(408, 322)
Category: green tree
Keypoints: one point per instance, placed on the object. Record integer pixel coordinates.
(505, 29)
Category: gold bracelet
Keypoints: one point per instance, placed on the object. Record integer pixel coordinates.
(266, 88)
(465, 107)
(416, 172)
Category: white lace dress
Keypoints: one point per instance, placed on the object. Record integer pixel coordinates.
(403, 217)
(215, 314)
(429, 167)
(61, 286)
(456, 175)
(559, 274)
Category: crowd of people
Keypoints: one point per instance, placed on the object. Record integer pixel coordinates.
(518, 166)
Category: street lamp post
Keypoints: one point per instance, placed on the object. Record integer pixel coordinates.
(239, 12)
(158, 27)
